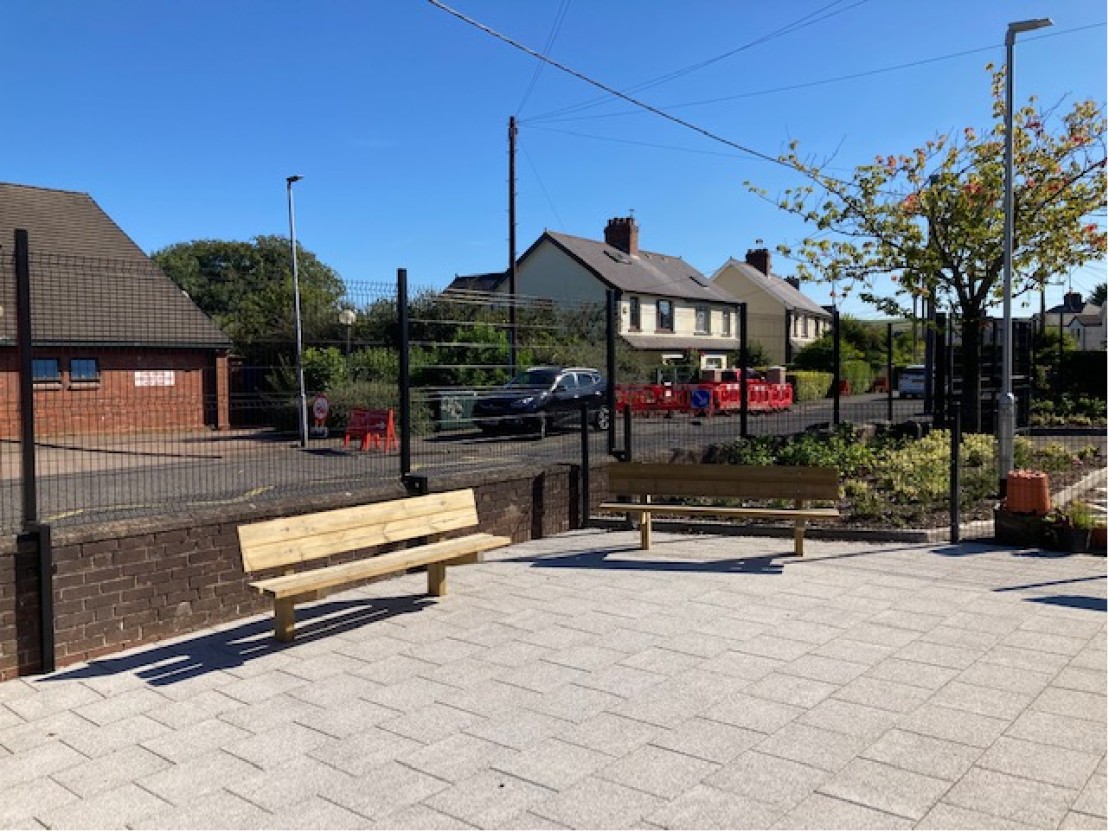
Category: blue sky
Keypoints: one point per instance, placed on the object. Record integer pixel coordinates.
(182, 119)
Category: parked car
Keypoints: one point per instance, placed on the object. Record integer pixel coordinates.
(541, 398)
(910, 384)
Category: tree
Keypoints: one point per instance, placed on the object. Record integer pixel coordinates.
(1097, 297)
(929, 223)
(247, 289)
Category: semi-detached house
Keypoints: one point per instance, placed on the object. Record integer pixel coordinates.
(665, 305)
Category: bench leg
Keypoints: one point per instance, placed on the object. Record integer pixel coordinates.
(799, 533)
(436, 579)
(645, 526)
(284, 619)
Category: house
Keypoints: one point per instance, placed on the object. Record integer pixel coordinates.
(1085, 321)
(665, 305)
(779, 316)
(116, 345)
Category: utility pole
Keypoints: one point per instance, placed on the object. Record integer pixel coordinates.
(512, 334)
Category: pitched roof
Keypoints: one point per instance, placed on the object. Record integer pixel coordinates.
(91, 285)
(789, 296)
(488, 282)
(646, 273)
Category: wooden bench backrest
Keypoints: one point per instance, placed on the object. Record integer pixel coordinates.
(292, 540)
(767, 482)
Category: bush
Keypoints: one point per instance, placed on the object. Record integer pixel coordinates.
(809, 386)
(858, 374)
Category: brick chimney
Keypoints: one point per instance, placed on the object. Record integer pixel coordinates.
(759, 258)
(623, 233)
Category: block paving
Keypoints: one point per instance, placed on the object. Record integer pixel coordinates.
(576, 682)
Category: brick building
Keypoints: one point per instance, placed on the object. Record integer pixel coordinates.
(117, 346)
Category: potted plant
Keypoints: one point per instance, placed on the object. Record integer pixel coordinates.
(1069, 530)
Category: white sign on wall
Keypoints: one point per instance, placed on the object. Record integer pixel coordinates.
(154, 378)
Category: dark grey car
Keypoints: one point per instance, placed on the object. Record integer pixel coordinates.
(541, 398)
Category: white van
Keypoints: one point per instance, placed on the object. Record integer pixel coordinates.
(910, 384)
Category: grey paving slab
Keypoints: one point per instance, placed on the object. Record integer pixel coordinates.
(866, 685)
(823, 812)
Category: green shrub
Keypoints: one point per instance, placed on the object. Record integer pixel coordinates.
(809, 386)
(858, 374)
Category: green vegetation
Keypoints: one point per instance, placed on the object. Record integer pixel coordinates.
(897, 482)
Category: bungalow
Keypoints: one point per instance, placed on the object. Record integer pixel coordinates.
(1084, 320)
(116, 345)
(779, 316)
(666, 306)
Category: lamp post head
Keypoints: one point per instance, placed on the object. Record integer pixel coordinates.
(1019, 26)
(289, 180)
(347, 317)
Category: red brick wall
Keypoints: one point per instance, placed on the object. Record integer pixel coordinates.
(115, 403)
(130, 583)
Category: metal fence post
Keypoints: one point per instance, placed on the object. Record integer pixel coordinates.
(744, 358)
(889, 373)
(835, 367)
(956, 442)
(26, 378)
(585, 472)
(611, 312)
(403, 383)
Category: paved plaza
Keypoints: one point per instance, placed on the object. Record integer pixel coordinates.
(576, 682)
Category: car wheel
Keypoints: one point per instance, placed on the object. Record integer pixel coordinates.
(602, 419)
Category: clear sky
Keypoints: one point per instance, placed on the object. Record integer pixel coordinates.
(182, 119)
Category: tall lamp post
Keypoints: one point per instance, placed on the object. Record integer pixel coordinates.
(1006, 421)
(302, 401)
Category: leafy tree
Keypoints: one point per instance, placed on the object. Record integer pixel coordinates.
(929, 223)
(247, 289)
(1097, 297)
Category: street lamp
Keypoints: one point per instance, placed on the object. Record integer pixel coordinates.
(347, 317)
(1006, 416)
(303, 399)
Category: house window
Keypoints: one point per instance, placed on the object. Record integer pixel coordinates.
(46, 369)
(84, 369)
(665, 318)
(702, 321)
(726, 326)
(634, 319)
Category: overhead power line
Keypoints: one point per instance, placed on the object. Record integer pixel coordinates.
(556, 27)
(610, 90)
(789, 28)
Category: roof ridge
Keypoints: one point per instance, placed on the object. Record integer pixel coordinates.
(44, 188)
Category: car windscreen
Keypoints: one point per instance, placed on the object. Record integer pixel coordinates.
(534, 378)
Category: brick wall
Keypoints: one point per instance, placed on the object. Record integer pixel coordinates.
(129, 583)
(116, 402)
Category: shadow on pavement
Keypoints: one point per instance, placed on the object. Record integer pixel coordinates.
(599, 559)
(1077, 602)
(184, 659)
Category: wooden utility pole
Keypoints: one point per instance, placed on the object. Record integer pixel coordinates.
(512, 335)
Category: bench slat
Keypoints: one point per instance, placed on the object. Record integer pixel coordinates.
(720, 480)
(294, 540)
(738, 511)
(286, 586)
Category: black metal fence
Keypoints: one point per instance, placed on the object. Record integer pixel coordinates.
(120, 399)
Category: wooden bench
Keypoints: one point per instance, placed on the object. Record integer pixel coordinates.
(293, 541)
(648, 481)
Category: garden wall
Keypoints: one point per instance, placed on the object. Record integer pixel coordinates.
(119, 585)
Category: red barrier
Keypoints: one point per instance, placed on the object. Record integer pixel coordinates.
(376, 427)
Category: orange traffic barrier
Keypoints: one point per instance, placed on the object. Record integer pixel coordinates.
(372, 427)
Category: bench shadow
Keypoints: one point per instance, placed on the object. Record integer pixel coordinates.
(600, 559)
(228, 648)
(1075, 602)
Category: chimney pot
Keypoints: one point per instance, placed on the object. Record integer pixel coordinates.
(623, 233)
(760, 259)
